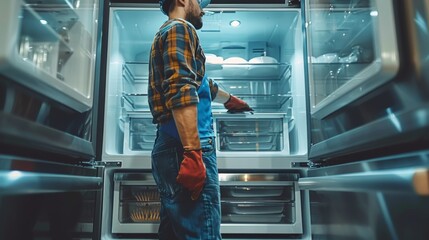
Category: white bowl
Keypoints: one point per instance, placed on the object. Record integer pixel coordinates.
(269, 70)
(263, 59)
(235, 60)
(235, 67)
(213, 59)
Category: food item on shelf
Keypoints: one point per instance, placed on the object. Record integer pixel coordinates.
(263, 59)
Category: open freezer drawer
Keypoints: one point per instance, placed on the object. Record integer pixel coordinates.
(256, 203)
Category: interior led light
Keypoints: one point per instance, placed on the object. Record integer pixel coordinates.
(235, 23)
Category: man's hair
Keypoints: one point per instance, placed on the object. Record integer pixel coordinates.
(169, 5)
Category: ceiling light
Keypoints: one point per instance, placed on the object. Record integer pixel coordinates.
(235, 23)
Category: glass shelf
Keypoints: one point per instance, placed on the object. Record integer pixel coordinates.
(327, 78)
(139, 102)
(41, 45)
(263, 91)
(137, 71)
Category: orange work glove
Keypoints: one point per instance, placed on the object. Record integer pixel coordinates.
(192, 172)
(235, 104)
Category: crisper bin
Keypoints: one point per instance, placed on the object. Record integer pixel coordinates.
(255, 135)
(140, 134)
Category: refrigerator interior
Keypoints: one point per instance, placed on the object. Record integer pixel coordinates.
(260, 61)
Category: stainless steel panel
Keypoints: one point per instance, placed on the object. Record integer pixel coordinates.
(19, 182)
(43, 199)
(24, 176)
(410, 180)
(367, 205)
(18, 131)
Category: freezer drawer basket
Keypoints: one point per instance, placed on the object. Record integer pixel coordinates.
(263, 201)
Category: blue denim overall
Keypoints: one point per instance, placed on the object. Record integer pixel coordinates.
(182, 218)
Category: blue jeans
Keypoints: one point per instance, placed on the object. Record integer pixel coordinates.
(182, 218)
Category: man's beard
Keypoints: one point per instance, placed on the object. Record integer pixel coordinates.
(195, 20)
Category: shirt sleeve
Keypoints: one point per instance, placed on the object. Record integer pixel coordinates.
(179, 85)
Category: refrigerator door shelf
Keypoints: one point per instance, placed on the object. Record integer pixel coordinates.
(44, 43)
(363, 37)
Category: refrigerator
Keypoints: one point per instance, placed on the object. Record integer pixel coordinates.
(336, 147)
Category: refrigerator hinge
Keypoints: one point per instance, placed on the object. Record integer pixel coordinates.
(314, 165)
(300, 164)
(100, 164)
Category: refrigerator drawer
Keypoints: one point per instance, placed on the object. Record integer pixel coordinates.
(269, 193)
(258, 212)
(139, 134)
(259, 203)
(252, 134)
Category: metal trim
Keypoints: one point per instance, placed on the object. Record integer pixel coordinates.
(414, 180)
(384, 129)
(42, 137)
(20, 182)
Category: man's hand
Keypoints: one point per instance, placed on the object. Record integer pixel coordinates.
(192, 172)
(235, 104)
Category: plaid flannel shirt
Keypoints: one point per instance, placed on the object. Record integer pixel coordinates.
(176, 69)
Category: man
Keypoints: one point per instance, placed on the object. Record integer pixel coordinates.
(183, 158)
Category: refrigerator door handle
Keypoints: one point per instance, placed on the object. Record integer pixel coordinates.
(415, 180)
(19, 182)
